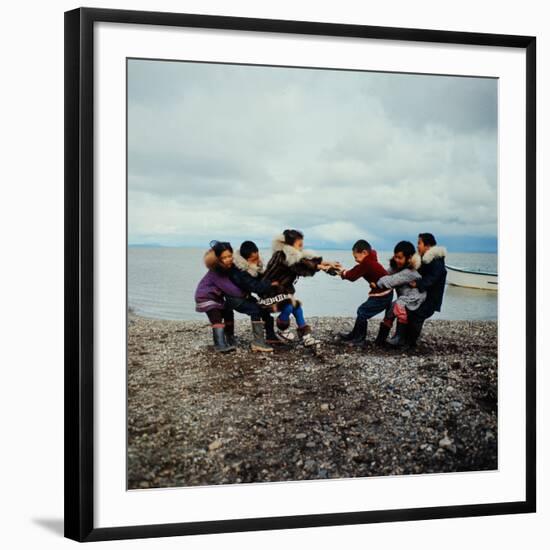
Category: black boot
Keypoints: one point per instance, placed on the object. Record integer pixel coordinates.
(399, 339)
(358, 334)
(270, 336)
(230, 334)
(220, 344)
(383, 333)
(412, 335)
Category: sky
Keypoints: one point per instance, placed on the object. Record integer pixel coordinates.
(235, 153)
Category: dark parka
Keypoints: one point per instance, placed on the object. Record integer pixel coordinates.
(434, 275)
(249, 277)
(285, 266)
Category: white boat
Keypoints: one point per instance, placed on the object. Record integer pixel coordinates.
(472, 279)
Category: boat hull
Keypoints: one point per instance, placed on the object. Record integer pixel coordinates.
(472, 279)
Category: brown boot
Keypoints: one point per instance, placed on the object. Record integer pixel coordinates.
(307, 338)
(284, 332)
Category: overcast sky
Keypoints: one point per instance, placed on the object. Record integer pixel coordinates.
(239, 152)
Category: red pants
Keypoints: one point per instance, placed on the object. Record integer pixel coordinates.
(396, 311)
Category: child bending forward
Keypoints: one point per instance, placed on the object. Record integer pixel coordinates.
(403, 270)
(288, 262)
(248, 274)
(217, 296)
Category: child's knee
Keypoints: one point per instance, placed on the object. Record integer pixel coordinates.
(362, 312)
(400, 312)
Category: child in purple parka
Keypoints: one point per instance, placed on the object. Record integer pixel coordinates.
(217, 296)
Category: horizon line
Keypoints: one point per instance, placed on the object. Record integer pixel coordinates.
(347, 249)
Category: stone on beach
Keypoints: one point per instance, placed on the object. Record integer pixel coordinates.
(200, 418)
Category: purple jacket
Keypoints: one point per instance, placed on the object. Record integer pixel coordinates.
(211, 288)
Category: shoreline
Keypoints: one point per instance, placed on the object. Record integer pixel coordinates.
(196, 417)
(132, 315)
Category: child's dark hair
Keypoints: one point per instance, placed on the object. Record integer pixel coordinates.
(292, 235)
(361, 246)
(427, 238)
(247, 249)
(220, 247)
(406, 248)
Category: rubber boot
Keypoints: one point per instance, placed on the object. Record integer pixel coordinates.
(270, 336)
(412, 335)
(220, 344)
(258, 340)
(399, 339)
(383, 333)
(307, 338)
(230, 334)
(358, 334)
(348, 336)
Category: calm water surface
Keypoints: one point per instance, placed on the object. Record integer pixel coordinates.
(162, 282)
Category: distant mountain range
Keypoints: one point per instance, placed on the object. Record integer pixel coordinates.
(148, 245)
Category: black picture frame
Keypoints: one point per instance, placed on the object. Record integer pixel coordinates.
(79, 269)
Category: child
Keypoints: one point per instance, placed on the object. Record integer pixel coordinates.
(433, 273)
(371, 270)
(247, 273)
(403, 270)
(288, 262)
(217, 296)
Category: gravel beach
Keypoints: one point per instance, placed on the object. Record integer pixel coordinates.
(200, 418)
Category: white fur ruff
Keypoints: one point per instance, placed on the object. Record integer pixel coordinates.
(292, 255)
(244, 265)
(433, 253)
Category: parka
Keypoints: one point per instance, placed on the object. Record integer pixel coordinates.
(285, 266)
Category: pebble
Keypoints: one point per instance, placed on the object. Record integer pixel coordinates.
(216, 444)
(355, 413)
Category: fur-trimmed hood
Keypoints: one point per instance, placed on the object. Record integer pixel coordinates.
(210, 260)
(415, 261)
(244, 265)
(433, 253)
(292, 255)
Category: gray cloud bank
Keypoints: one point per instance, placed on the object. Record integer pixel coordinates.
(233, 152)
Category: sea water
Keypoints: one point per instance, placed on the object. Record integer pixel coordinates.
(162, 282)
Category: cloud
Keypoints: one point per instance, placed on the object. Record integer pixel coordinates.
(337, 232)
(235, 152)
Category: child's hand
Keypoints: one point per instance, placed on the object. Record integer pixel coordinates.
(373, 285)
(275, 283)
(412, 284)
